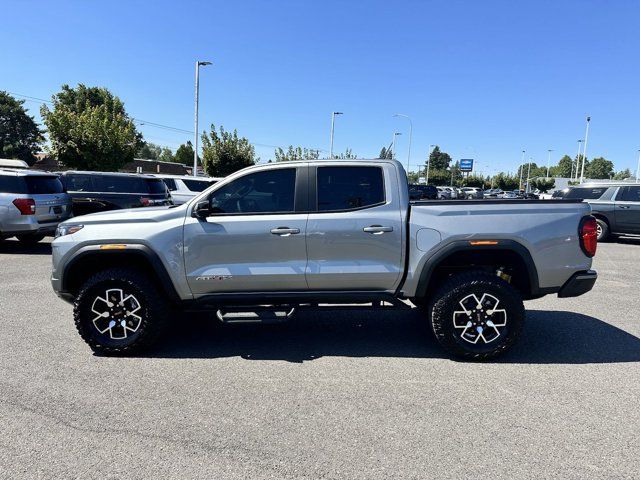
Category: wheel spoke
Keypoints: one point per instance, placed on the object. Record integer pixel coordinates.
(480, 318)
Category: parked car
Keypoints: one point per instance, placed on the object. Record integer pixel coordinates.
(615, 205)
(509, 195)
(32, 204)
(559, 193)
(422, 192)
(472, 193)
(453, 192)
(493, 193)
(183, 187)
(291, 234)
(443, 193)
(93, 192)
(13, 163)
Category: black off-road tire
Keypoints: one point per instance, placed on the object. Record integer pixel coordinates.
(30, 238)
(153, 312)
(603, 230)
(497, 339)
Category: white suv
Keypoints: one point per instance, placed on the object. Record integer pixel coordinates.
(184, 187)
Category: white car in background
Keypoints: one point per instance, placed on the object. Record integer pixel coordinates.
(184, 187)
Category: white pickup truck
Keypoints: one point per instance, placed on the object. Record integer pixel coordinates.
(291, 234)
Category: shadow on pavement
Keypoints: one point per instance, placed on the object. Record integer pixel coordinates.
(549, 337)
(15, 247)
(627, 240)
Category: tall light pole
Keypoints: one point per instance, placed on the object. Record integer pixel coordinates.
(333, 121)
(431, 147)
(584, 153)
(410, 135)
(521, 170)
(528, 175)
(576, 162)
(638, 168)
(393, 144)
(548, 161)
(195, 135)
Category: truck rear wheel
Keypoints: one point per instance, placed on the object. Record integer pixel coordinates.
(477, 316)
(119, 312)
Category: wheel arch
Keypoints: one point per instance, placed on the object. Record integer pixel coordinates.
(92, 259)
(462, 255)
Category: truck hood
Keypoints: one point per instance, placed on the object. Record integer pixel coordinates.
(131, 215)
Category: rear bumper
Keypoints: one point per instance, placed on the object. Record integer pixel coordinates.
(578, 284)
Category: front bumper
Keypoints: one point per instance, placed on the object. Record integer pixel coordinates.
(578, 284)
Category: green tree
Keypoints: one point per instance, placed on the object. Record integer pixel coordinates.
(474, 181)
(297, 153)
(348, 154)
(504, 181)
(543, 184)
(20, 136)
(623, 174)
(439, 160)
(149, 151)
(89, 129)
(166, 155)
(564, 167)
(599, 168)
(385, 153)
(535, 171)
(184, 154)
(224, 153)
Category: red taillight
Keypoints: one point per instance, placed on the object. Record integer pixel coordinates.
(27, 206)
(145, 201)
(588, 233)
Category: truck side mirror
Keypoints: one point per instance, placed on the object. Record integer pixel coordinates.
(202, 209)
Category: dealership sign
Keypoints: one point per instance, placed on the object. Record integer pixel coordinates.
(466, 164)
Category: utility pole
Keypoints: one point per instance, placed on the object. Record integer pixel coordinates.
(584, 153)
(576, 162)
(393, 144)
(548, 161)
(521, 170)
(528, 175)
(195, 138)
(429, 163)
(638, 168)
(333, 121)
(410, 136)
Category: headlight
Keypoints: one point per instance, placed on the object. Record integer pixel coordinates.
(67, 229)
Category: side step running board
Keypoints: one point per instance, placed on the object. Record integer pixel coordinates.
(255, 314)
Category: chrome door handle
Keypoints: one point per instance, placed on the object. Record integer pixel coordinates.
(285, 231)
(377, 229)
(624, 206)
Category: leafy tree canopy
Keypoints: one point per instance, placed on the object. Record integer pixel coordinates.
(149, 151)
(599, 168)
(297, 153)
(89, 129)
(385, 153)
(543, 184)
(623, 174)
(184, 154)
(20, 136)
(224, 153)
(439, 160)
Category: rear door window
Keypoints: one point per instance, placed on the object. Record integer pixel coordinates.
(78, 183)
(170, 183)
(155, 186)
(119, 184)
(37, 185)
(585, 193)
(12, 184)
(630, 194)
(349, 188)
(197, 185)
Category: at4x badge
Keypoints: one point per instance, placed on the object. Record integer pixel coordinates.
(214, 277)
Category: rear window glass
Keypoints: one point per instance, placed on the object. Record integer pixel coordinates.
(156, 186)
(170, 183)
(12, 184)
(586, 193)
(346, 188)
(197, 185)
(43, 185)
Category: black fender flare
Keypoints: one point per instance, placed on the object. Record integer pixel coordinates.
(464, 245)
(138, 250)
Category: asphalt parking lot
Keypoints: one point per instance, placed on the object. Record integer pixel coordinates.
(339, 394)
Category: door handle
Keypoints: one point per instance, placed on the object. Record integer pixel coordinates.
(377, 229)
(624, 206)
(285, 231)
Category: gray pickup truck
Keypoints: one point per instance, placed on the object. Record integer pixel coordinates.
(292, 234)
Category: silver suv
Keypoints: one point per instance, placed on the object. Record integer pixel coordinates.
(31, 204)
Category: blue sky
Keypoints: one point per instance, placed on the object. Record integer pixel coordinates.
(483, 79)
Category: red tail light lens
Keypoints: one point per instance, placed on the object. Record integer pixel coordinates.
(27, 206)
(588, 233)
(145, 201)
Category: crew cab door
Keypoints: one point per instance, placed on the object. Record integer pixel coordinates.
(354, 231)
(627, 209)
(254, 238)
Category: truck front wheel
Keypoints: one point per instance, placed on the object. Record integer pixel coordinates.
(119, 312)
(477, 316)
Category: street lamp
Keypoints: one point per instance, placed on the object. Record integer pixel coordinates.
(521, 170)
(576, 162)
(429, 163)
(528, 175)
(410, 136)
(584, 153)
(393, 144)
(638, 168)
(195, 139)
(333, 121)
(548, 161)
